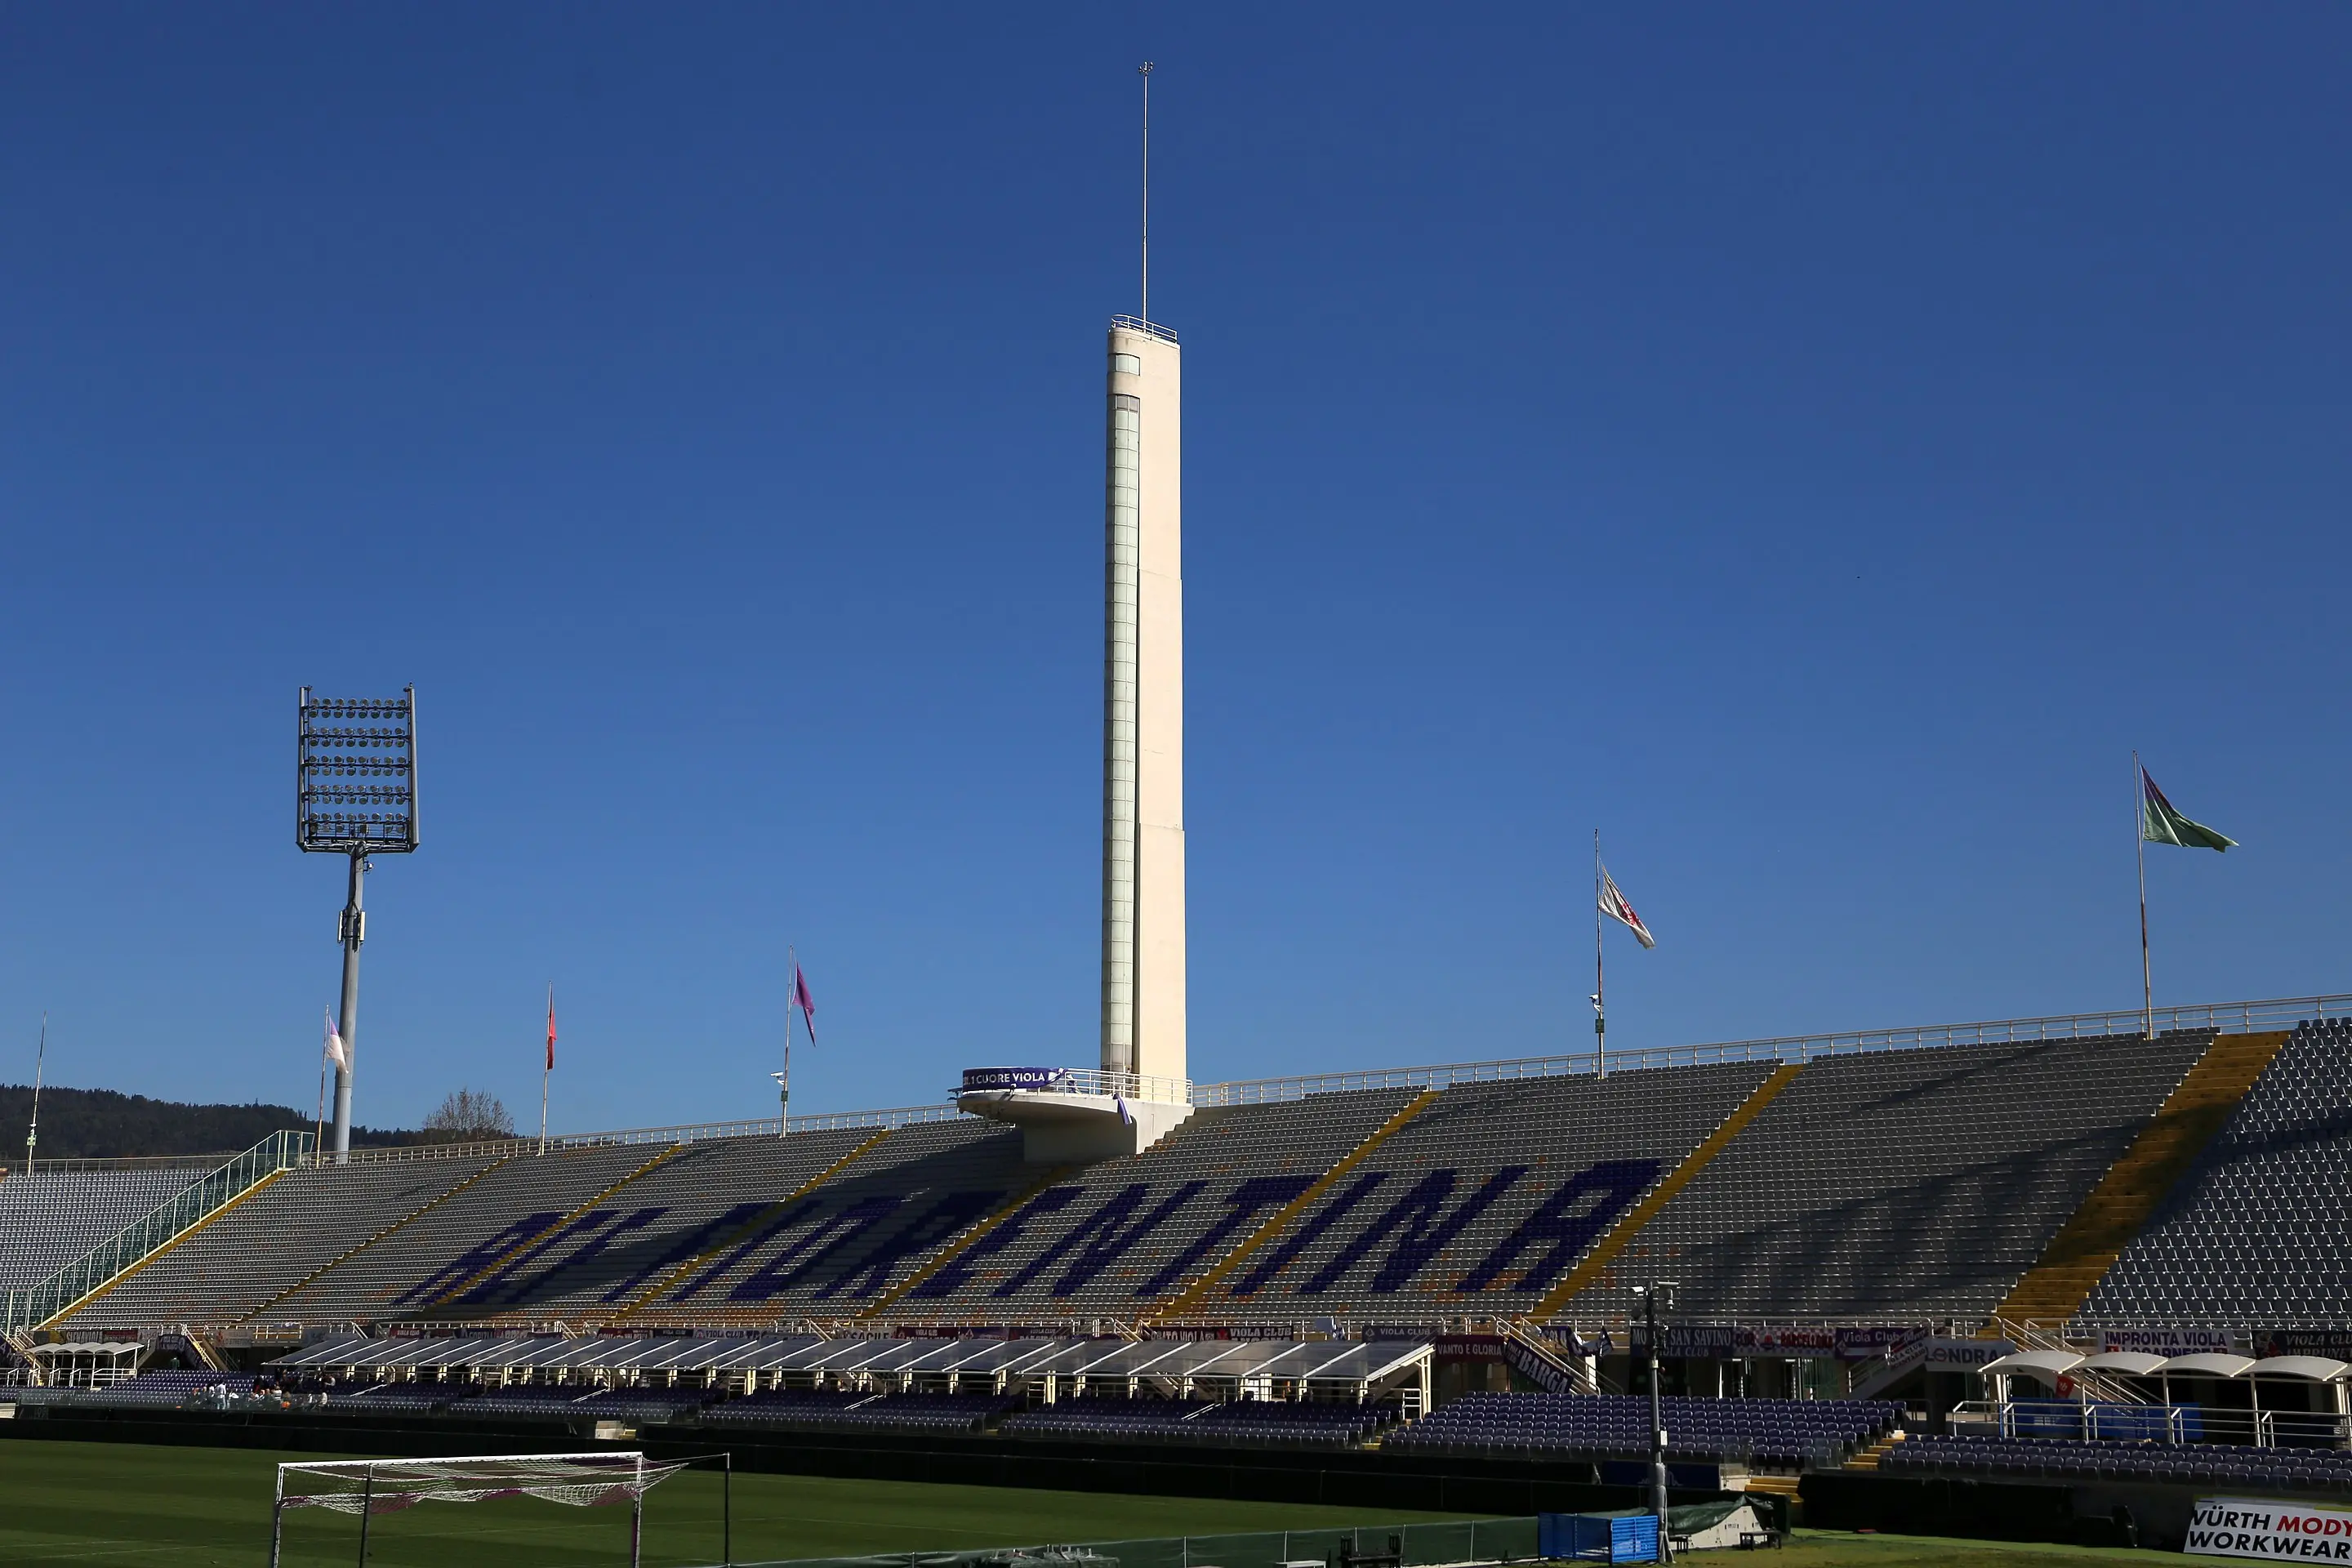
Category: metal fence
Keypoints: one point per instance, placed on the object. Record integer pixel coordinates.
(2281, 1013)
(1418, 1545)
(38, 1303)
(691, 1132)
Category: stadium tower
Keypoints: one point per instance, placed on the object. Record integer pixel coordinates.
(1141, 1090)
(1143, 711)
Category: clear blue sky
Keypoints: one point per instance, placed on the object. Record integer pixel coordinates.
(1814, 445)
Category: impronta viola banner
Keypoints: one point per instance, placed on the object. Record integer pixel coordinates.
(2270, 1531)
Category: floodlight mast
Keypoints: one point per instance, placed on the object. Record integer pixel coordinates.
(340, 740)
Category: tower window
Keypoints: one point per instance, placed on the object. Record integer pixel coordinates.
(1126, 364)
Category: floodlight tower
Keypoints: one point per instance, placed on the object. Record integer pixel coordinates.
(356, 795)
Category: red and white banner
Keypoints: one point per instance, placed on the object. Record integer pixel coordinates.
(2269, 1530)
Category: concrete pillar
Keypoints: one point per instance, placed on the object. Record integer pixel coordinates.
(1144, 709)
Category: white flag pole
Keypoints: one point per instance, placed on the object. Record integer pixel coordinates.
(2139, 846)
(546, 1067)
(792, 1000)
(1600, 990)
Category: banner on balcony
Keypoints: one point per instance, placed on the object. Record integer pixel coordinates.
(1963, 1355)
(976, 1080)
(2269, 1530)
(1801, 1340)
(2335, 1344)
(1882, 1343)
(2173, 1341)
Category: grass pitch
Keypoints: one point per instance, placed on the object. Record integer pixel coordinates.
(95, 1505)
(98, 1505)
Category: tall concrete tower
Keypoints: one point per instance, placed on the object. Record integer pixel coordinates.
(1143, 708)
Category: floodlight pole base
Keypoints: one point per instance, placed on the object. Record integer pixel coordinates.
(352, 932)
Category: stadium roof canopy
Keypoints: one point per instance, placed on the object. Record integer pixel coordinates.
(2205, 1363)
(2033, 1364)
(2301, 1368)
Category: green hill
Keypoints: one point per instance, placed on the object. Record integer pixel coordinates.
(100, 1124)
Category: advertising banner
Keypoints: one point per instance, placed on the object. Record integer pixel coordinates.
(1696, 1340)
(2271, 1532)
(1873, 1343)
(978, 1078)
(1797, 1341)
(1963, 1355)
(2172, 1342)
(2335, 1344)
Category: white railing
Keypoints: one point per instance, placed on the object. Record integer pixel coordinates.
(1099, 1081)
(2098, 1420)
(1148, 329)
(2282, 1013)
(44, 1165)
(690, 1132)
(2276, 1013)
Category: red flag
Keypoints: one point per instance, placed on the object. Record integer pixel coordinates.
(801, 1000)
(550, 1028)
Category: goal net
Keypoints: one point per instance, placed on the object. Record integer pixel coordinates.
(369, 1487)
(386, 1485)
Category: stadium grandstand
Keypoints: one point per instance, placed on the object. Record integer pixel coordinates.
(2062, 1247)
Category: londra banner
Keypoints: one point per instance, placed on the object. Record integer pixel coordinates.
(2269, 1529)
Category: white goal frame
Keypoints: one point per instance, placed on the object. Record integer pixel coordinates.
(625, 1470)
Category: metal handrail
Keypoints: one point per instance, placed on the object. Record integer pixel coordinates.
(79, 1166)
(1102, 1081)
(1148, 329)
(690, 1132)
(43, 1299)
(2247, 1015)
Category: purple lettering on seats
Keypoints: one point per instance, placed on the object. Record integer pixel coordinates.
(701, 1239)
(957, 1272)
(1106, 1236)
(788, 1268)
(1246, 1202)
(872, 1272)
(1587, 1203)
(1308, 1233)
(786, 1218)
(596, 1248)
(457, 1270)
(1419, 1214)
(594, 1219)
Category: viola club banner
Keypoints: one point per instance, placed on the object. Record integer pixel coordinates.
(2271, 1532)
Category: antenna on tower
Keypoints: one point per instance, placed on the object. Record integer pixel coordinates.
(1144, 71)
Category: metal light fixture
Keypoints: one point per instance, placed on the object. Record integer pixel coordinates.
(355, 796)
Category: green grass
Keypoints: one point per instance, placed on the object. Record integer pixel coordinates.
(98, 1505)
(1835, 1549)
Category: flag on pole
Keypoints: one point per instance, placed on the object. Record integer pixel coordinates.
(1614, 905)
(550, 1028)
(334, 1045)
(801, 999)
(2161, 823)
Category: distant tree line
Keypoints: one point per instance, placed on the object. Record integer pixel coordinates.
(100, 1124)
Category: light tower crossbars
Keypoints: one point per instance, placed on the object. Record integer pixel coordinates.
(355, 796)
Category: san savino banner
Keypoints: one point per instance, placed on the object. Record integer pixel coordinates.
(2270, 1530)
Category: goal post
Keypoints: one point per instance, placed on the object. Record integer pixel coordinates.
(371, 1486)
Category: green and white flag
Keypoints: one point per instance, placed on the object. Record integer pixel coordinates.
(2160, 824)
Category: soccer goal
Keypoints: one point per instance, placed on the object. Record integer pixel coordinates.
(371, 1486)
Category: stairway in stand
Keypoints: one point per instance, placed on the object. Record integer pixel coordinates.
(2053, 1289)
(1867, 1459)
(1774, 1486)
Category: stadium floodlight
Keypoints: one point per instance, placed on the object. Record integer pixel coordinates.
(355, 796)
(1652, 1295)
